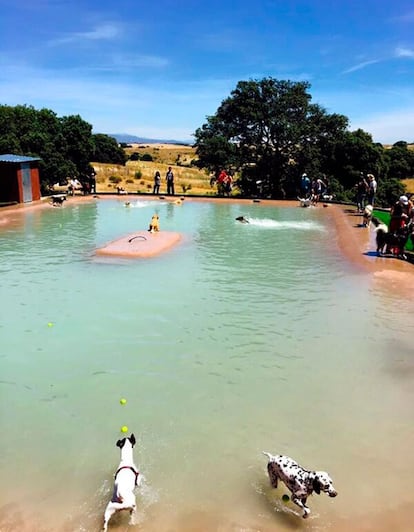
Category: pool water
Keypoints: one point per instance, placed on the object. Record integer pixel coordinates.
(244, 338)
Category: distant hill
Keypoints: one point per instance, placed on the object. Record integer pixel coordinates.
(127, 138)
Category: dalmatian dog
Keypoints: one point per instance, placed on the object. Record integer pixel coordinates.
(298, 480)
(127, 478)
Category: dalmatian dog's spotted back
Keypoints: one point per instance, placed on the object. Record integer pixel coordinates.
(298, 480)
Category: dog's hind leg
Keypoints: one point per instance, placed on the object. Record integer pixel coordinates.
(133, 516)
(109, 512)
(112, 508)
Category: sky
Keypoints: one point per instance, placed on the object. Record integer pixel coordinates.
(157, 69)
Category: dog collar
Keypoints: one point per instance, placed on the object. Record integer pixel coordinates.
(136, 473)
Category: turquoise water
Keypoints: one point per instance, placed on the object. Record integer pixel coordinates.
(245, 337)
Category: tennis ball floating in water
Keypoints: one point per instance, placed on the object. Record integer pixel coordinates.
(50, 324)
(124, 429)
(285, 498)
(123, 401)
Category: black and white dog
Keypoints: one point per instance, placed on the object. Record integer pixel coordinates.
(381, 230)
(58, 199)
(298, 480)
(242, 220)
(392, 242)
(127, 478)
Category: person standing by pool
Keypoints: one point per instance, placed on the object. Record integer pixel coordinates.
(92, 182)
(157, 183)
(170, 181)
(361, 190)
(304, 186)
(372, 189)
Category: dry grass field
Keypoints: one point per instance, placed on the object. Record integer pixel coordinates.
(138, 176)
(409, 185)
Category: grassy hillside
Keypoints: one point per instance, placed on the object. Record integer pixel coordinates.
(409, 185)
(138, 176)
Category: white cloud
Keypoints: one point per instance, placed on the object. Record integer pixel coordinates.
(390, 127)
(99, 33)
(360, 66)
(167, 110)
(130, 61)
(404, 52)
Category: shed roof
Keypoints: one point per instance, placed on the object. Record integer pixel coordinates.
(10, 158)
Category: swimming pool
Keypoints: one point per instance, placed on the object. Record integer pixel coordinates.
(245, 337)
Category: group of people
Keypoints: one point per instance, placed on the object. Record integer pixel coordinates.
(313, 190)
(402, 213)
(85, 184)
(366, 190)
(169, 177)
(224, 181)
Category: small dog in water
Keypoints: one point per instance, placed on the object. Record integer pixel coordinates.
(127, 478)
(305, 202)
(154, 225)
(298, 480)
(58, 199)
(242, 220)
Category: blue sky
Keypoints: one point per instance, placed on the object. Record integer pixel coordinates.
(157, 69)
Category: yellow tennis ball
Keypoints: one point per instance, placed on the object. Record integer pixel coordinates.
(123, 401)
(124, 429)
(50, 324)
(285, 498)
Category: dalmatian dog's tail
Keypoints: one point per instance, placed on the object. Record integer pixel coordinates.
(270, 456)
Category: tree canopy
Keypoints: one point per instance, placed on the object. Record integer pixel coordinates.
(270, 132)
(65, 145)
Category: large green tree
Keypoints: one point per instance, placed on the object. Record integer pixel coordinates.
(107, 150)
(65, 145)
(355, 152)
(270, 131)
(401, 160)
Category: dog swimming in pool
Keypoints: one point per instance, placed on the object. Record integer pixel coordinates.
(242, 220)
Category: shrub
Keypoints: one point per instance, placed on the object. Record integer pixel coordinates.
(129, 181)
(146, 157)
(138, 174)
(115, 179)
